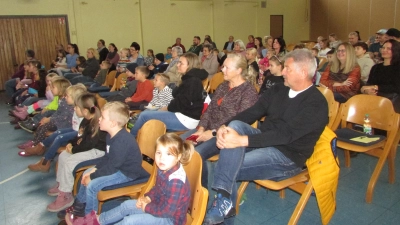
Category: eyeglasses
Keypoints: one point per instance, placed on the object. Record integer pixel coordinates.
(341, 51)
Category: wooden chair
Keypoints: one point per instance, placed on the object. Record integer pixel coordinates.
(321, 164)
(290, 47)
(333, 106)
(322, 61)
(118, 81)
(205, 83)
(109, 82)
(383, 117)
(146, 139)
(199, 195)
(310, 45)
(215, 81)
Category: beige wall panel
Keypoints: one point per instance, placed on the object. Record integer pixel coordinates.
(192, 18)
(397, 18)
(240, 26)
(114, 21)
(337, 22)
(382, 14)
(359, 19)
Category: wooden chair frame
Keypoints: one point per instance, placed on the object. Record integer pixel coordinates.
(333, 106)
(383, 117)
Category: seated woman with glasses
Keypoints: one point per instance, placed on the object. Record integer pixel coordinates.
(232, 96)
(384, 78)
(342, 77)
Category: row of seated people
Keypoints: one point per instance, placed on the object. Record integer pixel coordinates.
(193, 82)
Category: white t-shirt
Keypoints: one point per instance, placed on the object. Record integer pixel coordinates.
(76, 121)
(188, 122)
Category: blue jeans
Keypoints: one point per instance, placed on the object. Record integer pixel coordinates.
(81, 79)
(131, 215)
(243, 163)
(88, 194)
(10, 87)
(206, 150)
(59, 138)
(169, 118)
(108, 94)
(36, 118)
(29, 101)
(69, 75)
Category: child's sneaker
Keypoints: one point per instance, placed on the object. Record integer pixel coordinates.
(220, 209)
(63, 201)
(25, 145)
(28, 125)
(91, 218)
(20, 114)
(21, 108)
(53, 191)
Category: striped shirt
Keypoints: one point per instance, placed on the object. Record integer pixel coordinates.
(161, 98)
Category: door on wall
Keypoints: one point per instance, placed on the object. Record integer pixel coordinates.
(276, 25)
(20, 33)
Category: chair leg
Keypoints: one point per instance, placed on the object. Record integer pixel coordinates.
(240, 192)
(294, 219)
(100, 208)
(346, 158)
(258, 186)
(282, 193)
(78, 176)
(376, 173)
(392, 157)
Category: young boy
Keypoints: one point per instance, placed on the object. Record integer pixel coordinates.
(169, 53)
(101, 75)
(162, 94)
(363, 60)
(121, 163)
(159, 65)
(144, 90)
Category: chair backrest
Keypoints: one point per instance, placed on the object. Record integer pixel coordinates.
(322, 61)
(290, 47)
(146, 139)
(110, 78)
(199, 195)
(215, 81)
(333, 106)
(379, 109)
(118, 81)
(205, 83)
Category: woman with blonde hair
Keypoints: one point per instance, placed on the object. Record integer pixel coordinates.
(89, 72)
(184, 111)
(232, 96)
(342, 77)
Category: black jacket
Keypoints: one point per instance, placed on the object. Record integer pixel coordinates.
(189, 97)
(226, 46)
(92, 67)
(103, 54)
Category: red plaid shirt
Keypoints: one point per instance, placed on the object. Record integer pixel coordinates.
(170, 196)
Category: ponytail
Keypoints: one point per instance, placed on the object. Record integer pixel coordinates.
(187, 152)
(89, 102)
(176, 146)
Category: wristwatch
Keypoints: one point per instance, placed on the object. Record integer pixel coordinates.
(214, 132)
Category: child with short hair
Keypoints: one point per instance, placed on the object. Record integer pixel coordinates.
(123, 60)
(364, 60)
(167, 202)
(121, 163)
(144, 90)
(62, 118)
(101, 75)
(162, 94)
(21, 112)
(61, 136)
(169, 53)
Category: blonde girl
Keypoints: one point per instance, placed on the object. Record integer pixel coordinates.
(168, 200)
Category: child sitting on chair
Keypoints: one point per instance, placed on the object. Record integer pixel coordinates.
(162, 94)
(121, 163)
(167, 202)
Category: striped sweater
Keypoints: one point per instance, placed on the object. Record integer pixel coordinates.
(161, 98)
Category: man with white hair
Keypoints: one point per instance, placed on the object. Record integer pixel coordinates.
(295, 116)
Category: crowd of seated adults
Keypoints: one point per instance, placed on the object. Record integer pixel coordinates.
(257, 75)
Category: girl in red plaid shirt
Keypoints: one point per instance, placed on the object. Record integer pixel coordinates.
(168, 201)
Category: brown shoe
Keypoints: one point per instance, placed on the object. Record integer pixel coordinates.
(39, 149)
(43, 166)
